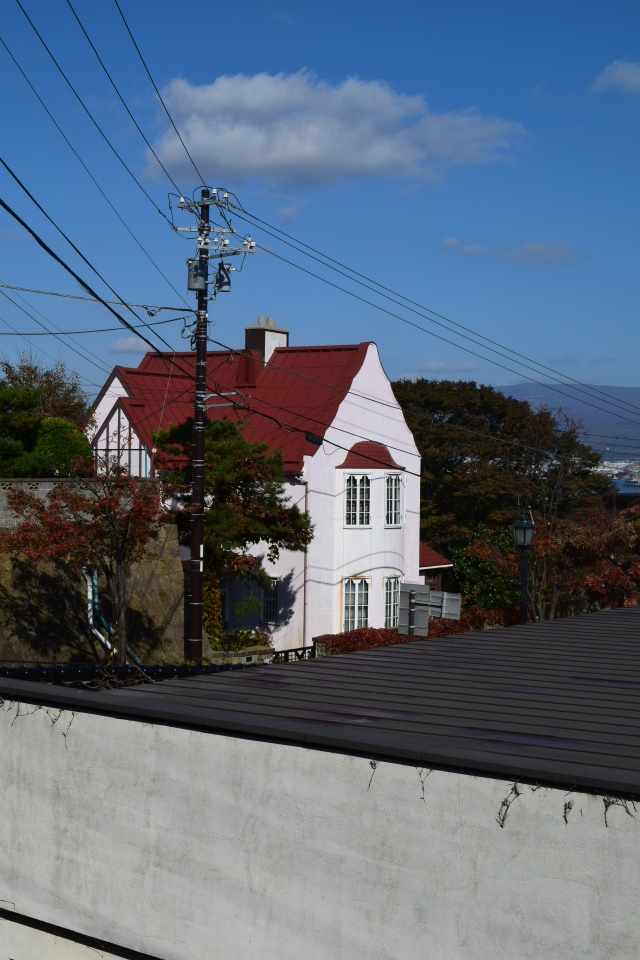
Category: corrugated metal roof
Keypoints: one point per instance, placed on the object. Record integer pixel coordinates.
(555, 702)
(429, 558)
(301, 387)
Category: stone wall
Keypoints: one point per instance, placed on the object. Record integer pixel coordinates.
(43, 612)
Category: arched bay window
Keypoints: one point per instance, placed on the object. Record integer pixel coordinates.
(356, 604)
(358, 503)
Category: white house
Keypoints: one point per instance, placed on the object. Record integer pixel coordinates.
(350, 460)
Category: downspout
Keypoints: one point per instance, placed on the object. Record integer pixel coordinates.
(93, 611)
(88, 576)
(305, 570)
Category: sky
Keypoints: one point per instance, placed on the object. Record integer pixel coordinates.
(481, 159)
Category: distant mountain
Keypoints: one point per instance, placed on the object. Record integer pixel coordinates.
(600, 423)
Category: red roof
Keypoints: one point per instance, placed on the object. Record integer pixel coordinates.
(430, 560)
(297, 392)
(369, 455)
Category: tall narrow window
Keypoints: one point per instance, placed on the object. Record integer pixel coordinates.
(351, 516)
(391, 601)
(356, 604)
(394, 488)
(358, 503)
(270, 603)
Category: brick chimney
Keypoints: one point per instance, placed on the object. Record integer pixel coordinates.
(265, 337)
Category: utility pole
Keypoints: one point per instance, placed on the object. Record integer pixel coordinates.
(194, 643)
(198, 281)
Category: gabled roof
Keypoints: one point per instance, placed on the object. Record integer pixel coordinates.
(430, 560)
(297, 392)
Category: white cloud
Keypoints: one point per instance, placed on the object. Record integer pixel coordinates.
(546, 252)
(296, 130)
(440, 366)
(621, 75)
(128, 345)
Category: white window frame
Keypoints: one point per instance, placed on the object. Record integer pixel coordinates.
(357, 510)
(270, 603)
(355, 604)
(391, 602)
(393, 484)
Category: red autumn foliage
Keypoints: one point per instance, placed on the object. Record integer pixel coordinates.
(370, 638)
(105, 521)
(367, 638)
(472, 620)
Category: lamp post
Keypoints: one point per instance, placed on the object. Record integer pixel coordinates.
(523, 531)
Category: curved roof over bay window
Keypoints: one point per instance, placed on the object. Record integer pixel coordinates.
(368, 455)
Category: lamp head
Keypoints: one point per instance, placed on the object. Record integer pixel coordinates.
(523, 531)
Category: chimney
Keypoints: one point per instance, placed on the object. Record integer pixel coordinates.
(265, 337)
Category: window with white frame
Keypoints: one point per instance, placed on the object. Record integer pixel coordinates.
(270, 602)
(394, 490)
(356, 604)
(391, 601)
(358, 503)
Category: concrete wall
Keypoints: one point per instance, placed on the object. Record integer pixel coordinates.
(18, 941)
(193, 846)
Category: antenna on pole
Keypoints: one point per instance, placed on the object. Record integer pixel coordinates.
(198, 282)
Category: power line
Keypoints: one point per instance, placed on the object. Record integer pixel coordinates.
(17, 333)
(417, 326)
(151, 309)
(120, 97)
(532, 365)
(299, 244)
(629, 408)
(80, 353)
(71, 244)
(77, 333)
(89, 174)
(153, 83)
(83, 283)
(90, 115)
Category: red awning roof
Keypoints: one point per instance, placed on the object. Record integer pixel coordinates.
(298, 392)
(431, 560)
(369, 455)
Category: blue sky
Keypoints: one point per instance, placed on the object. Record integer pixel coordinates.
(482, 159)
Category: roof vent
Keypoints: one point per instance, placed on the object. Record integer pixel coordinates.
(265, 337)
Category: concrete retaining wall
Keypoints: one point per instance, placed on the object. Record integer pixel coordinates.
(19, 941)
(194, 846)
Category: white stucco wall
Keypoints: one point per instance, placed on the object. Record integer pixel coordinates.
(114, 391)
(194, 846)
(368, 412)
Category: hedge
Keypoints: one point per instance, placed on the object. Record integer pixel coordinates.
(369, 638)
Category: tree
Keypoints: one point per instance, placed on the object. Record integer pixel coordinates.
(589, 561)
(41, 413)
(105, 520)
(246, 505)
(485, 569)
(59, 393)
(485, 454)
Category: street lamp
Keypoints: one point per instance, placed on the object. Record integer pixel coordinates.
(523, 531)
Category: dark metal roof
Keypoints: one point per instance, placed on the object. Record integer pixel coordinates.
(556, 702)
